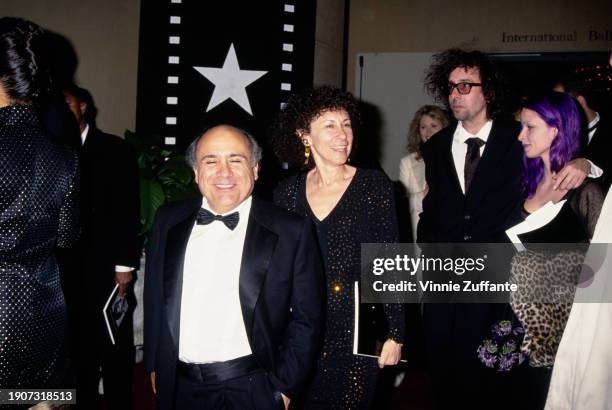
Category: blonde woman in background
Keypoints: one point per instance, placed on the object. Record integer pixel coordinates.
(428, 120)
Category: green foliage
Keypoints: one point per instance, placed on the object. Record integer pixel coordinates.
(165, 176)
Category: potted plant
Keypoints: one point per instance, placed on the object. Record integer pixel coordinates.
(165, 176)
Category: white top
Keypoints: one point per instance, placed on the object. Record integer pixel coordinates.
(412, 176)
(459, 147)
(211, 324)
(582, 375)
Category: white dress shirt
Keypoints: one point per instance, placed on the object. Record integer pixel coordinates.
(412, 175)
(84, 134)
(459, 147)
(596, 172)
(593, 124)
(211, 324)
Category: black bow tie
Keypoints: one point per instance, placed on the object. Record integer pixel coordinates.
(205, 217)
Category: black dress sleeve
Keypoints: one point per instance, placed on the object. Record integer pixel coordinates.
(587, 203)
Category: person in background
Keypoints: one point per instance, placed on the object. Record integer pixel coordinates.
(349, 206)
(597, 138)
(108, 255)
(38, 212)
(428, 120)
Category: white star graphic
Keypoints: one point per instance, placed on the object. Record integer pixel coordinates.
(230, 81)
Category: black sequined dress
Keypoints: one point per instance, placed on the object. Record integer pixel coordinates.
(38, 211)
(364, 214)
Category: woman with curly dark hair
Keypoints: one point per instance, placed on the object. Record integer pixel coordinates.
(349, 206)
(38, 211)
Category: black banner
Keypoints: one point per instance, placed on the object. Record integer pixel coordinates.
(203, 63)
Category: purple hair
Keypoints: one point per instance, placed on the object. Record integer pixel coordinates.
(557, 110)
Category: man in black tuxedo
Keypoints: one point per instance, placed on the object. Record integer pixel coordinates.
(473, 171)
(597, 130)
(233, 289)
(108, 254)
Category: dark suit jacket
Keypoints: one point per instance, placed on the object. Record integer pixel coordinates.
(281, 294)
(111, 209)
(493, 201)
(492, 205)
(599, 150)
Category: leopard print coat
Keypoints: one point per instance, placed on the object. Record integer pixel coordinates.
(547, 280)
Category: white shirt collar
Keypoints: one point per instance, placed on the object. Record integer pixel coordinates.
(595, 120)
(244, 207)
(84, 134)
(461, 134)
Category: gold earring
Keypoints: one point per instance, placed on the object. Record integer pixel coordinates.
(306, 152)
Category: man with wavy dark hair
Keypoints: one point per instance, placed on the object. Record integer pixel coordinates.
(437, 80)
(473, 172)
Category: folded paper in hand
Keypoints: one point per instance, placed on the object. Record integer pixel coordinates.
(114, 312)
(365, 332)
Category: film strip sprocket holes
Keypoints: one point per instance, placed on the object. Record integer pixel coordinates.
(170, 120)
(171, 116)
(287, 45)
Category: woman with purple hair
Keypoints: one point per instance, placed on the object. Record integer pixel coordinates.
(550, 137)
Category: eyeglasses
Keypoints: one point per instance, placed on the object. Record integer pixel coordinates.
(462, 88)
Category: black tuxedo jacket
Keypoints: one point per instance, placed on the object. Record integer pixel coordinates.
(491, 205)
(493, 202)
(110, 209)
(281, 294)
(599, 150)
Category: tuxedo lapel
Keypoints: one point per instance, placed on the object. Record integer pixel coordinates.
(448, 161)
(91, 140)
(176, 245)
(259, 245)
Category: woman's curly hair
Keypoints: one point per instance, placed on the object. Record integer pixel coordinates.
(23, 74)
(299, 112)
(436, 79)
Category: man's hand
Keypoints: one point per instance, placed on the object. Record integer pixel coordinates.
(153, 382)
(286, 401)
(123, 279)
(572, 175)
(391, 353)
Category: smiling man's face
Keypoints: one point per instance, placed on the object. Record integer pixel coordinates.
(224, 171)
